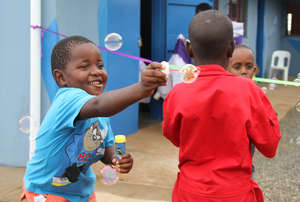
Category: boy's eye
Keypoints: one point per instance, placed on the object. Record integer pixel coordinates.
(249, 66)
(100, 66)
(84, 66)
(237, 67)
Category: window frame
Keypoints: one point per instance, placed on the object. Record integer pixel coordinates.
(292, 7)
(241, 13)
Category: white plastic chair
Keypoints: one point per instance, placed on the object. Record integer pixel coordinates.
(280, 61)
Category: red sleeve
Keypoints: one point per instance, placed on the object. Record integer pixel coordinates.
(263, 126)
(171, 123)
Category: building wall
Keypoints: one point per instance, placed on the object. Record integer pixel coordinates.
(251, 24)
(295, 55)
(14, 82)
(81, 18)
(274, 22)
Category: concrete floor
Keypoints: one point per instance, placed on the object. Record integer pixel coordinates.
(155, 162)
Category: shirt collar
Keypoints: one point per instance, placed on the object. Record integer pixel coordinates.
(212, 69)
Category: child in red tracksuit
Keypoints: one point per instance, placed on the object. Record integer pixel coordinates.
(213, 119)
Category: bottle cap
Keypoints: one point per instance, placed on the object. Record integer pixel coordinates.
(120, 139)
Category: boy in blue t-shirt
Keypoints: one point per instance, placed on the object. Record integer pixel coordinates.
(76, 132)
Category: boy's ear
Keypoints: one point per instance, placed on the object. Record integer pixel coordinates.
(189, 49)
(256, 69)
(59, 77)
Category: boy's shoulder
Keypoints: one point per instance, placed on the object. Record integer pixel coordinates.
(62, 91)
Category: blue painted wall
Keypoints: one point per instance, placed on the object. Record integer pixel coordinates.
(14, 82)
(122, 71)
(295, 55)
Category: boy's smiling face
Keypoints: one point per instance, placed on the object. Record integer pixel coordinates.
(242, 63)
(85, 70)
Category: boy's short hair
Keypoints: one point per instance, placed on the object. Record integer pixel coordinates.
(210, 33)
(202, 7)
(61, 53)
(244, 46)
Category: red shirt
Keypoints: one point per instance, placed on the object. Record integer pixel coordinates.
(212, 121)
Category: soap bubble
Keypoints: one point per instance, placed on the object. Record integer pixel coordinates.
(191, 73)
(265, 89)
(24, 124)
(113, 41)
(298, 107)
(109, 175)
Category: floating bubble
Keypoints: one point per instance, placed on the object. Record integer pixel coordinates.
(298, 107)
(191, 73)
(265, 89)
(113, 41)
(24, 124)
(109, 175)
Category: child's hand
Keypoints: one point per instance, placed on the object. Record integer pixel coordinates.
(124, 164)
(152, 77)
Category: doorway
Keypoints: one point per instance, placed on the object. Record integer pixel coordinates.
(145, 52)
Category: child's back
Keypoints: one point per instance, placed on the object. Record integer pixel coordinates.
(211, 120)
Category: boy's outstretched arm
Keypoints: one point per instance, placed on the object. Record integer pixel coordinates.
(112, 102)
(263, 127)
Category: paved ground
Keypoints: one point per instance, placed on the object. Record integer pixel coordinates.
(155, 163)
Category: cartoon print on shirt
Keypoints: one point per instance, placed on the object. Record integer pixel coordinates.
(82, 152)
(92, 137)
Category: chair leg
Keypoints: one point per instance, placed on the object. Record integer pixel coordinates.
(285, 75)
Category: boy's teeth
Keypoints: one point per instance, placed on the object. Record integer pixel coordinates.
(95, 83)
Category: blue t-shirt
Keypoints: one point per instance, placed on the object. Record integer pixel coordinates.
(66, 148)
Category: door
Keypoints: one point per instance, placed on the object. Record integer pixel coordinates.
(169, 19)
(122, 17)
(260, 37)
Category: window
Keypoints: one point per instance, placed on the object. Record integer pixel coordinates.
(237, 10)
(293, 20)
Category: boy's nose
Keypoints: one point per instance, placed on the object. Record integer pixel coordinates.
(243, 71)
(95, 70)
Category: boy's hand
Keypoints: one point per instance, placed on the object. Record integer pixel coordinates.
(124, 164)
(152, 77)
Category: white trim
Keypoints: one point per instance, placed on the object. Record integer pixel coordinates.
(35, 73)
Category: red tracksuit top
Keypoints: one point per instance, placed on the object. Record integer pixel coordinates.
(212, 121)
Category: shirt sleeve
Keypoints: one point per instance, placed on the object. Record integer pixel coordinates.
(263, 126)
(68, 105)
(171, 123)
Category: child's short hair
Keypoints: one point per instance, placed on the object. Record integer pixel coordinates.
(244, 46)
(202, 7)
(210, 33)
(61, 53)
